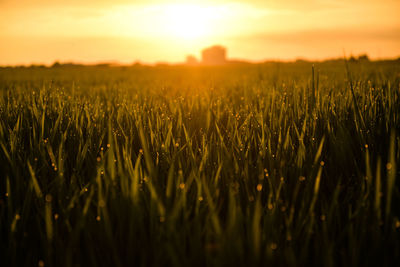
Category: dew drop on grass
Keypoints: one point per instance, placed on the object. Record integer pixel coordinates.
(389, 166)
(48, 198)
(259, 187)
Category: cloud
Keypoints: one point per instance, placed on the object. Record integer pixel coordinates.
(328, 35)
(317, 43)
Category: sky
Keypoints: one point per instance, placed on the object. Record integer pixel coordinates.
(93, 31)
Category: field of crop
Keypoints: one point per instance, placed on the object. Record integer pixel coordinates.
(280, 164)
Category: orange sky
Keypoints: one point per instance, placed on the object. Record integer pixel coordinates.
(43, 31)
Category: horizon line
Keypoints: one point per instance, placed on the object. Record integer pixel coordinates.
(119, 63)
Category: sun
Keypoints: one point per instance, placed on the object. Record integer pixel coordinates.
(188, 21)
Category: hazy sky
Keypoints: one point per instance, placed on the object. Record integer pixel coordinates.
(43, 31)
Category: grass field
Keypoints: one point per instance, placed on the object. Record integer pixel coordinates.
(280, 164)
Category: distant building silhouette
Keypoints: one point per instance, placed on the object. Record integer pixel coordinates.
(214, 55)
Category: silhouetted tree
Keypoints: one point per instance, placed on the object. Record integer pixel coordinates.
(191, 60)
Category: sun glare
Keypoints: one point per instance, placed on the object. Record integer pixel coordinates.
(188, 21)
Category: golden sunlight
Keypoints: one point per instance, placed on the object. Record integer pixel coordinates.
(188, 21)
(43, 31)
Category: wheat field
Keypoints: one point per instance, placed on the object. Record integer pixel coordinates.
(274, 164)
